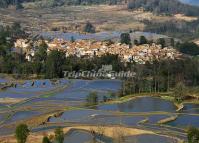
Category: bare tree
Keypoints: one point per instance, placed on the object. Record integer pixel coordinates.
(94, 135)
(100, 131)
(97, 132)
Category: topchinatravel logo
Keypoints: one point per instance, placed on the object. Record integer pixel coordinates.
(97, 74)
(105, 72)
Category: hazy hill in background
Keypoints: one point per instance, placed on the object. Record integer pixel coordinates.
(191, 2)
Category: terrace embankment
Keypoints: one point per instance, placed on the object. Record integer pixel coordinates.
(11, 100)
(108, 131)
(166, 96)
(169, 119)
(31, 122)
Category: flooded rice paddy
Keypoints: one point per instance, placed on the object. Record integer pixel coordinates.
(100, 36)
(148, 138)
(21, 115)
(185, 121)
(146, 104)
(47, 97)
(82, 136)
(96, 117)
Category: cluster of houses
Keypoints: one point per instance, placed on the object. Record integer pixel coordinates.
(88, 48)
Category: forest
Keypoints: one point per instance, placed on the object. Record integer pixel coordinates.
(174, 28)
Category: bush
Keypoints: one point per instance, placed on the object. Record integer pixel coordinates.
(46, 140)
(59, 135)
(143, 40)
(22, 133)
(125, 38)
(105, 98)
(113, 95)
(179, 92)
(92, 98)
(136, 42)
(162, 42)
(189, 48)
(89, 28)
(193, 135)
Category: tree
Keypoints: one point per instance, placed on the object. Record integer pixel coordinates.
(72, 39)
(109, 59)
(179, 92)
(59, 135)
(54, 64)
(94, 135)
(125, 38)
(19, 6)
(136, 42)
(89, 28)
(16, 31)
(41, 54)
(46, 140)
(112, 95)
(7, 64)
(193, 135)
(27, 68)
(92, 98)
(105, 98)
(189, 48)
(143, 40)
(172, 42)
(21, 133)
(37, 67)
(162, 42)
(168, 7)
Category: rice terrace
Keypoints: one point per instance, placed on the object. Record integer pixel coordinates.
(65, 103)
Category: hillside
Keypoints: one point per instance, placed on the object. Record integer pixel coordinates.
(164, 7)
(156, 6)
(169, 17)
(53, 3)
(191, 2)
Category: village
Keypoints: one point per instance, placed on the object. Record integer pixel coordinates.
(88, 48)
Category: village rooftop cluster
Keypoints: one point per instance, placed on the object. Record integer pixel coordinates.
(88, 48)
